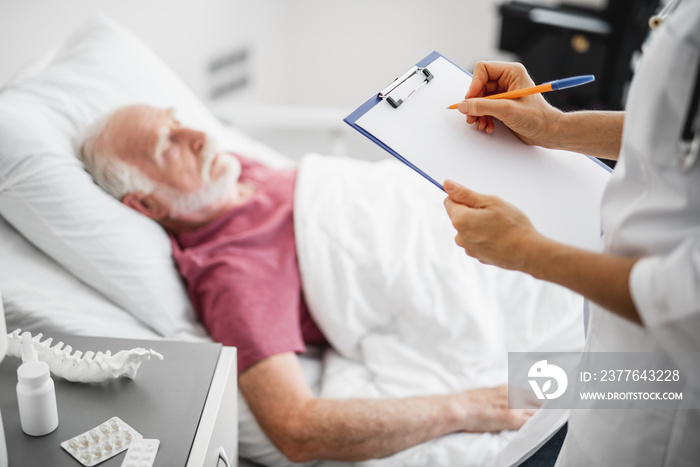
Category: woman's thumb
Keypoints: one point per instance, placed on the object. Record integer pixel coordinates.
(479, 107)
(460, 194)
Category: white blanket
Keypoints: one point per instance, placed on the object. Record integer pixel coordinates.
(406, 311)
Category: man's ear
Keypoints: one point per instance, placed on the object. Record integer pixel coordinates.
(148, 205)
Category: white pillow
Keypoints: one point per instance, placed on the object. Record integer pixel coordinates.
(52, 201)
(40, 296)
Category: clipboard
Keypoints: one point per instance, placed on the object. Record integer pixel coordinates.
(559, 191)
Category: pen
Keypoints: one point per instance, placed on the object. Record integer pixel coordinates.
(546, 87)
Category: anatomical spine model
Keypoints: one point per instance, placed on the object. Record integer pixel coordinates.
(74, 366)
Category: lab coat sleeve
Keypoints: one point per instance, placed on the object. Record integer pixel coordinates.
(666, 292)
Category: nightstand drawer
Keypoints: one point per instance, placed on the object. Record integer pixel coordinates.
(217, 433)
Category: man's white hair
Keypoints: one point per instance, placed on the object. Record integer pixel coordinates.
(112, 174)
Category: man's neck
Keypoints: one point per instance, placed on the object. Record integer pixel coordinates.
(183, 224)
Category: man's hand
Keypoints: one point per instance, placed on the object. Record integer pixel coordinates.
(488, 411)
(531, 118)
(488, 228)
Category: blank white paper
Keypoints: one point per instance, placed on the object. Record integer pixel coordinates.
(560, 191)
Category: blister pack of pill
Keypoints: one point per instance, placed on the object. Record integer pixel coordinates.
(141, 453)
(103, 442)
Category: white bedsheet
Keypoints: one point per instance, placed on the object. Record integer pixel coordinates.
(405, 309)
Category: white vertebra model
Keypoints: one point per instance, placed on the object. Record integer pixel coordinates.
(89, 368)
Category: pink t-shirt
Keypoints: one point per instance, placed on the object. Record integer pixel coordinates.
(242, 273)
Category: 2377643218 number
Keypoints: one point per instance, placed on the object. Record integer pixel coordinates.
(640, 375)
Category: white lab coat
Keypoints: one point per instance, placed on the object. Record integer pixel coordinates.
(651, 209)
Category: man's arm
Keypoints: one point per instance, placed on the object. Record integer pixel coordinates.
(497, 233)
(533, 119)
(305, 427)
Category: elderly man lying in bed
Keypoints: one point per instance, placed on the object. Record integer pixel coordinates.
(231, 224)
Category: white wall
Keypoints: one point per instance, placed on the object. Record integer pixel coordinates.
(185, 33)
(341, 52)
(317, 52)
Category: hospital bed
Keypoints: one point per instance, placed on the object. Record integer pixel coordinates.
(73, 260)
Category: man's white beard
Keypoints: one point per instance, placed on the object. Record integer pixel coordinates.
(214, 192)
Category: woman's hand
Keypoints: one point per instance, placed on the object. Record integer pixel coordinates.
(490, 229)
(531, 118)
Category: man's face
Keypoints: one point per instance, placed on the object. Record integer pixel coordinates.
(183, 164)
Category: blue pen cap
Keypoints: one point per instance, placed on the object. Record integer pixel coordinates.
(571, 82)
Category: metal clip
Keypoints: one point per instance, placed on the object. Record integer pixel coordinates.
(690, 135)
(691, 151)
(657, 20)
(398, 82)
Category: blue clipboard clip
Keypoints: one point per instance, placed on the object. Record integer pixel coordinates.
(397, 86)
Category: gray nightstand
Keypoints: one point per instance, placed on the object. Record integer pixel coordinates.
(188, 401)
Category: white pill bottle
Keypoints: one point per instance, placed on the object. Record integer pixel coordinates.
(36, 394)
